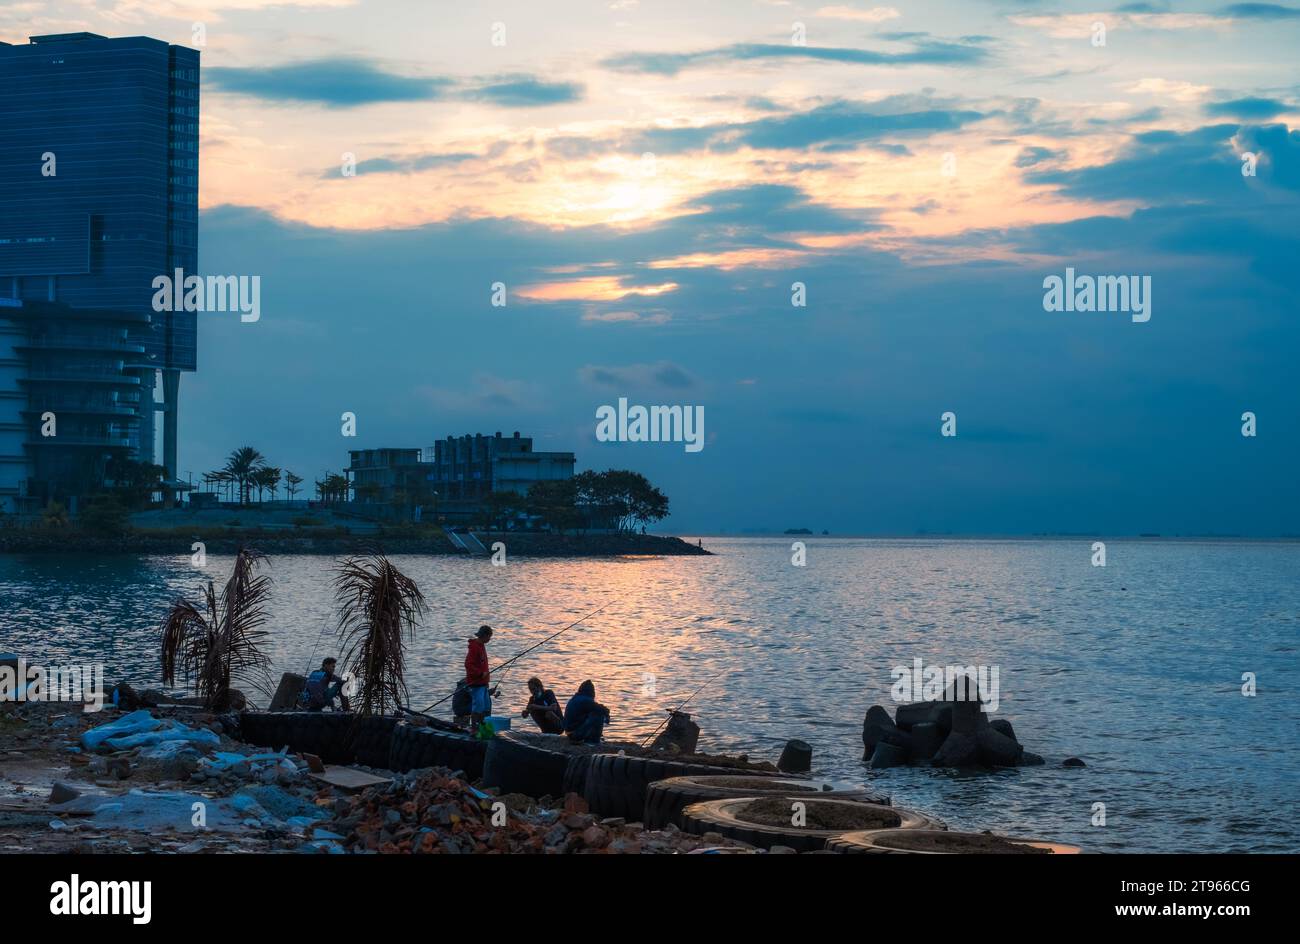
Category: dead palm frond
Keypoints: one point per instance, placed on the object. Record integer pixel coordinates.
(378, 607)
(220, 640)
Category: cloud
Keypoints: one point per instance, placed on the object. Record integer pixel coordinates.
(664, 375)
(595, 288)
(486, 394)
(873, 15)
(524, 91)
(352, 82)
(853, 122)
(1077, 25)
(335, 83)
(1032, 156)
(1202, 166)
(1247, 109)
(1260, 11)
(835, 125)
(924, 51)
(413, 164)
(1177, 90)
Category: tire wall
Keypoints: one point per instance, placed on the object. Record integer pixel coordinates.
(334, 737)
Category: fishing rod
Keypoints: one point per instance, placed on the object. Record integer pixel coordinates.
(520, 655)
(683, 705)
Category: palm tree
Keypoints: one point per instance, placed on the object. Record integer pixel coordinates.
(291, 483)
(240, 466)
(378, 608)
(268, 478)
(220, 640)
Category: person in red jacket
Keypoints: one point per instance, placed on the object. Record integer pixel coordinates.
(477, 676)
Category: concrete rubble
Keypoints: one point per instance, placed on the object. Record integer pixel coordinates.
(171, 779)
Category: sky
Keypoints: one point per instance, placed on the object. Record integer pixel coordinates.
(650, 180)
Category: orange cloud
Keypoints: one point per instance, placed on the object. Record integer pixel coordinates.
(597, 288)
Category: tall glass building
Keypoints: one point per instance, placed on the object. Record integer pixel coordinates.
(99, 152)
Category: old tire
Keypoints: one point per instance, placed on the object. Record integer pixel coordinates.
(877, 842)
(303, 732)
(575, 775)
(371, 740)
(515, 764)
(665, 799)
(415, 747)
(335, 737)
(725, 817)
(616, 783)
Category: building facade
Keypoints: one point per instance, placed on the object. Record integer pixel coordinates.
(389, 476)
(98, 197)
(468, 468)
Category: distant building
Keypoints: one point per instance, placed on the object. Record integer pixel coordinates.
(389, 476)
(98, 197)
(468, 468)
(451, 479)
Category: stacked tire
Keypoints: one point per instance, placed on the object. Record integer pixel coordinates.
(616, 784)
(371, 740)
(515, 764)
(414, 747)
(729, 818)
(335, 737)
(665, 799)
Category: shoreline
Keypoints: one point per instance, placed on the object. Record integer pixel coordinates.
(217, 541)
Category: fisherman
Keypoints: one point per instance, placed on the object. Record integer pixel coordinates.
(323, 686)
(543, 707)
(584, 717)
(477, 676)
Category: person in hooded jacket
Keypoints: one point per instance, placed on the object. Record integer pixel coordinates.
(584, 717)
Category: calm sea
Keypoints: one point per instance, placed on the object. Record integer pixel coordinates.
(1135, 667)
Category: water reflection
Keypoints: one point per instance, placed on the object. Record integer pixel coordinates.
(1135, 666)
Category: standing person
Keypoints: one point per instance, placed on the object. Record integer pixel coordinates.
(477, 677)
(584, 717)
(543, 707)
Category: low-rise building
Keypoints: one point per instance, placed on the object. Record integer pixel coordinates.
(389, 476)
(469, 468)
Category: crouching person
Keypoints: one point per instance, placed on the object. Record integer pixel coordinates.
(584, 717)
(543, 707)
(323, 686)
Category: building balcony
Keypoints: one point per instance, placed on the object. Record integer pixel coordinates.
(97, 442)
(80, 375)
(81, 342)
(82, 408)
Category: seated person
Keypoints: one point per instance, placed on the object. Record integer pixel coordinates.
(543, 707)
(584, 717)
(323, 686)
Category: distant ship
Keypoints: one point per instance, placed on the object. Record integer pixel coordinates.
(797, 531)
